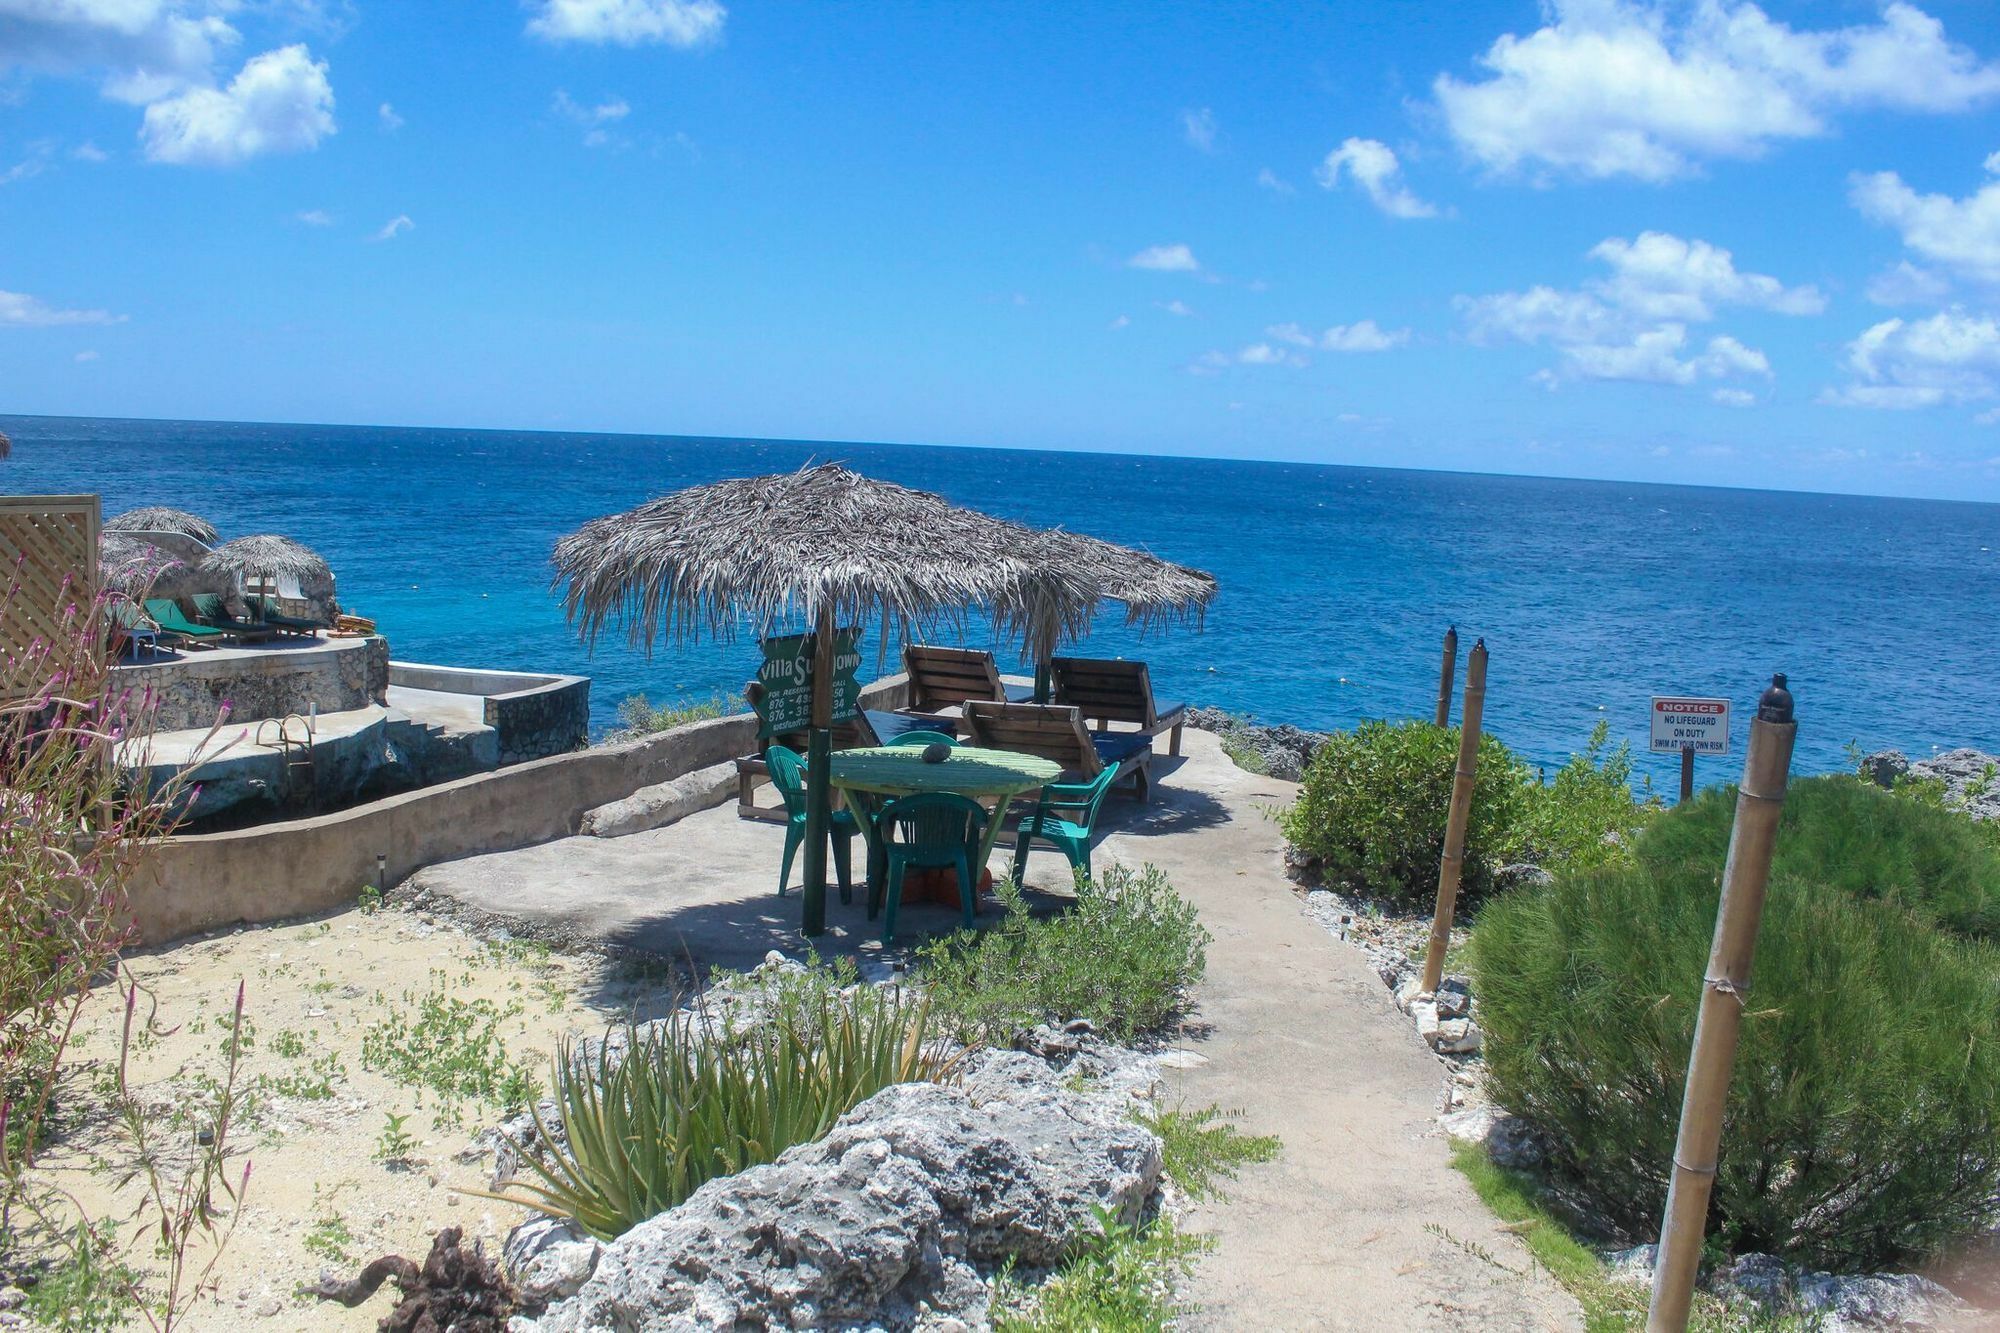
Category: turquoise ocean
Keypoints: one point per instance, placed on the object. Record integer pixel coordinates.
(1337, 583)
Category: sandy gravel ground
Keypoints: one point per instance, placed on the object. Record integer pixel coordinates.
(439, 1002)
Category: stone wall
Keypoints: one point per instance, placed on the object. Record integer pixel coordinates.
(535, 715)
(302, 866)
(334, 675)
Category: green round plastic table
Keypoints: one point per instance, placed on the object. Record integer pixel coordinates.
(900, 770)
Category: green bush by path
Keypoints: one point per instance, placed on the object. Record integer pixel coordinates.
(1373, 806)
(1123, 958)
(1565, 821)
(1863, 1127)
(1851, 837)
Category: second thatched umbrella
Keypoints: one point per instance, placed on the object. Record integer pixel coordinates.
(139, 569)
(268, 558)
(159, 518)
(823, 545)
(1154, 592)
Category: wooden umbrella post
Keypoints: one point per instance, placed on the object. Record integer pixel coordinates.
(819, 758)
(1445, 674)
(1744, 878)
(1453, 861)
(1687, 773)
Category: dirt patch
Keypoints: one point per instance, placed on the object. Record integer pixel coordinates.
(378, 1044)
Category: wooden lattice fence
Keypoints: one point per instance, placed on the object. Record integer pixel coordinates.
(48, 579)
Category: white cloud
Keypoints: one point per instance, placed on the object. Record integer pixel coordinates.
(142, 50)
(394, 227)
(1906, 284)
(31, 166)
(1361, 336)
(1270, 180)
(1651, 88)
(1632, 325)
(1735, 397)
(315, 217)
(280, 102)
(1199, 128)
(682, 23)
(388, 118)
(1951, 357)
(89, 152)
(1263, 354)
(1372, 165)
(87, 355)
(610, 109)
(1166, 259)
(1120, 322)
(1178, 308)
(19, 310)
(1962, 235)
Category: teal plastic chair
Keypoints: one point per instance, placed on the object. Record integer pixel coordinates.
(924, 738)
(933, 831)
(788, 775)
(1065, 814)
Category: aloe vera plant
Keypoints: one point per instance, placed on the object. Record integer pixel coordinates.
(687, 1100)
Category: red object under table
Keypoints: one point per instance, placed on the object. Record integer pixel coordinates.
(939, 886)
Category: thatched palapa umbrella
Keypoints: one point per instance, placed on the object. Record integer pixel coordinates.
(272, 557)
(139, 569)
(824, 545)
(1154, 592)
(159, 518)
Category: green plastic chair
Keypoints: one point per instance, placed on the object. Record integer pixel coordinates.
(934, 830)
(1065, 814)
(924, 738)
(788, 775)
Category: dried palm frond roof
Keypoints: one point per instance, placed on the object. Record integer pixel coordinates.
(159, 518)
(138, 569)
(269, 556)
(766, 548)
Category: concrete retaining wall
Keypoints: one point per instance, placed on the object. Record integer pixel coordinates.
(336, 674)
(313, 865)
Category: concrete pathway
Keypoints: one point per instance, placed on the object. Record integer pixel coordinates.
(1361, 1223)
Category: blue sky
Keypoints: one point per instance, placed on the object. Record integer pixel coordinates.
(1709, 242)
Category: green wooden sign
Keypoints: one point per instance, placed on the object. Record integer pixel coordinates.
(787, 680)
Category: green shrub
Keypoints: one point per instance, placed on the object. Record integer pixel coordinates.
(1565, 820)
(1854, 838)
(1123, 958)
(1863, 1126)
(689, 1099)
(1373, 806)
(637, 716)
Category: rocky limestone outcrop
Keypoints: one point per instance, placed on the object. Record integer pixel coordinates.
(1971, 777)
(893, 1221)
(1829, 1302)
(663, 803)
(1282, 751)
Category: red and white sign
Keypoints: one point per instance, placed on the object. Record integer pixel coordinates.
(1701, 725)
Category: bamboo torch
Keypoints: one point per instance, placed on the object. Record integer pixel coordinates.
(1717, 1026)
(1445, 674)
(1453, 863)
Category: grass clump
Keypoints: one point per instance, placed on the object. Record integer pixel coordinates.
(1201, 1149)
(1373, 805)
(647, 1121)
(1861, 1127)
(450, 1047)
(639, 716)
(1123, 958)
(1121, 1281)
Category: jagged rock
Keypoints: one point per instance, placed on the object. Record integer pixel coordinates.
(1885, 767)
(549, 1258)
(1508, 1140)
(892, 1218)
(1281, 751)
(1971, 779)
(1457, 1036)
(1829, 1302)
(663, 803)
(1520, 875)
(1454, 997)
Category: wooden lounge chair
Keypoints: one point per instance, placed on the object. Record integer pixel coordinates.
(942, 678)
(166, 613)
(209, 609)
(1056, 731)
(1107, 691)
(265, 610)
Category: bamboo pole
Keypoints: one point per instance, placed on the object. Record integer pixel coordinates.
(1453, 862)
(1445, 673)
(1744, 877)
(819, 759)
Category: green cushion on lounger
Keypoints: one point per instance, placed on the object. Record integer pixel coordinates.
(166, 613)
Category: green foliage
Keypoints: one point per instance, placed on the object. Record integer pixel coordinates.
(451, 1047)
(90, 1291)
(1121, 1281)
(638, 717)
(395, 1143)
(1123, 958)
(1201, 1148)
(330, 1238)
(1842, 836)
(1373, 806)
(1564, 820)
(690, 1098)
(1862, 1128)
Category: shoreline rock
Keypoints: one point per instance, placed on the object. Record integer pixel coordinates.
(1283, 751)
(1971, 777)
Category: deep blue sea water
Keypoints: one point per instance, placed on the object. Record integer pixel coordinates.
(1336, 582)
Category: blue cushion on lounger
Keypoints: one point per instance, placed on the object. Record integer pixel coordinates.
(1018, 694)
(1168, 707)
(1115, 747)
(888, 726)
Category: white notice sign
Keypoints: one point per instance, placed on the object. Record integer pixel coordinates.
(1701, 725)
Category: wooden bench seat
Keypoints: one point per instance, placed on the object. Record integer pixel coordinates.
(946, 678)
(1107, 690)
